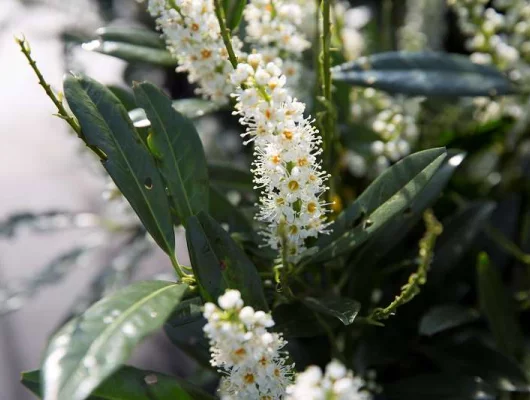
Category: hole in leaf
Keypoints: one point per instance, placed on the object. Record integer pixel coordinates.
(368, 223)
(358, 220)
(148, 183)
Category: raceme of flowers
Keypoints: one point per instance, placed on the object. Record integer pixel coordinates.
(393, 120)
(249, 357)
(286, 168)
(273, 29)
(498, 36)
(335, 383)
(193, 35)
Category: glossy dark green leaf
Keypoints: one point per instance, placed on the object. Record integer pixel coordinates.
(179, 152)
(105, 124)
(132, 52)
(190, 108)
(126, 96)
(132, 35)
(89, 348)
(473, 358)
(298, 320)
(388, 238)
(219, 263)
(442, 318)
(225, 212)
(129, 383)
(185, 330)
(230, 178)
(424, 74)
(440, 387)
(460, 230)
(498, 307)
(390, 194)
(341, 308)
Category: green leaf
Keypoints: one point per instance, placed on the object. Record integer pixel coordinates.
(442, 318)
(498, 307)
(471, 357)
(234, 12)
(225, 212)
(129, 383)
(105, 124)
(190, 108)
(386, 197)
(228, 177)
(132, 35)
(126, 96)
(424, 74)
(179, 152)
(89, 348)
(132, 52)
(440, 387)
(341, 308)
(219, 263)
(460, 230)
(185, 330)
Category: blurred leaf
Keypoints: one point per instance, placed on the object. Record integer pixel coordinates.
(341, 308)
(89, 348)
(387, 196)
(188, 336)
(297, 320)
(441, 318)
(460, 230)
(499, 308)
(105, 124)
(130, 383)
(473, 358)
(178, 149)
(190, 108)
(234, 12)
(132, 35)
(424, 74)
(219, 263)
(225, 212)
(440, 387)
(132, 52)
(230, 178)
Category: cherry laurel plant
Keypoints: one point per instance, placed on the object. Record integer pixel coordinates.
(303, 264)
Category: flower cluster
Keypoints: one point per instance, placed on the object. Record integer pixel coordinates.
(192, 34)
(499, 36)
(336, 383)
(423, 26)
(393, 120)
(286, 149)
(273, 31)
(249, 356)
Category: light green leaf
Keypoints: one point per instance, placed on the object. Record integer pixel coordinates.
(424, 74)
(129, 383)
(219, 263)
(179, 152)
(132, 35)
(390, 194)
(132, 52)
(105, 124)
(89, 348)
(499, 308)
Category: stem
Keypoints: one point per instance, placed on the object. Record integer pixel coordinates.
(417, 279)
(225, 32)
(62, 113)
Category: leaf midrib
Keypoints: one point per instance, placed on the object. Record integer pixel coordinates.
(166, 134)
(95, 345)
(129, 166)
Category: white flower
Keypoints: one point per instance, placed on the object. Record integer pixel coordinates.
(336, 383)
(251, 359)
(193, 36)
